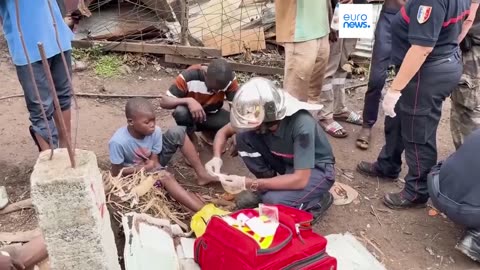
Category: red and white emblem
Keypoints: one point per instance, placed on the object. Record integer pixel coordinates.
(423, 13)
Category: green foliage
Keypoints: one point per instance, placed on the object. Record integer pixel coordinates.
(108, 65)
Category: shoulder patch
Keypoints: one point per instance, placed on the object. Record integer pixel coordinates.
(423, 13)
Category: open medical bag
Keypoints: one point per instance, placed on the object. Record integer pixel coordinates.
(293, 246)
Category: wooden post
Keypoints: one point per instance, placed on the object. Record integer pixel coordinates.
(184, 22)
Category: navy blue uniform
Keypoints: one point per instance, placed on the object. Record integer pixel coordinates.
(429, 23)
(454, 184)
(380, 62)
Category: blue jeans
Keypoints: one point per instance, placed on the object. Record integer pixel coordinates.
(62, 88)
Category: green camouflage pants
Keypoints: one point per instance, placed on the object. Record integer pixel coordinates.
(465, 113)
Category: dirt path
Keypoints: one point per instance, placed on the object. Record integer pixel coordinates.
(405, 239)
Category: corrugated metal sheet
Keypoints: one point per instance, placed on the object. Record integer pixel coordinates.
(365, 45)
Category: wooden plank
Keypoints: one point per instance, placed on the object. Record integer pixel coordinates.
(176, 59)
(141, 47)
(237, 41)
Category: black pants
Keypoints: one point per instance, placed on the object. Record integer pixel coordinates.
(414, 129)
(463, 214)
(215, 121)
(379, 67)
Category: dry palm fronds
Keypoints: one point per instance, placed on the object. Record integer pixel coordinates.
(138, 193)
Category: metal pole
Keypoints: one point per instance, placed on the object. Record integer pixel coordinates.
(184, 22)
(32, 76)
(58, 110)
(67, 71)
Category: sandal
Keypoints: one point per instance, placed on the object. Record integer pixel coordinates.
(363, 140)
(352, 118)
(334, 129)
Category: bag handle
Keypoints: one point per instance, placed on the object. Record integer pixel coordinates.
(280, 246)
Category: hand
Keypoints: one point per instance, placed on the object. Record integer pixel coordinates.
(333, 36)
(389, 101)
(149, 165)
(232, 184)
(213, 166)
(9, 263)
(197, 111)
(346, 1)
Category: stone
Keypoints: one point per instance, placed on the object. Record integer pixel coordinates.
(72, 212)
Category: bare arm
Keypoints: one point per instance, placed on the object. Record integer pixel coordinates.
(412, 62)
(467, 24)
(148, 165)
(221, 139)
(295, 181)
(169, 103)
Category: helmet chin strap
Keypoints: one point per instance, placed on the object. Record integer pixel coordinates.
(265, 127)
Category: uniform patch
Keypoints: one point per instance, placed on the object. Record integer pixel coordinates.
(423, 13)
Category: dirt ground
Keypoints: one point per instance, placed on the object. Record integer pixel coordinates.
(403, 239)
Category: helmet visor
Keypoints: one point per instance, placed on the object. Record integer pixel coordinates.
(246, 116)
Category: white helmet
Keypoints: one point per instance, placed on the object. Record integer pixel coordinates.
(260, 101)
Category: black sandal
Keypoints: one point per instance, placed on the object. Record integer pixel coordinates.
(363, 140)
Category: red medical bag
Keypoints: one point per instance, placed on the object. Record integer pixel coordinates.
(294, 246)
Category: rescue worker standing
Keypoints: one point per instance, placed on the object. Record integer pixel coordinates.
(281, 144)
(382, 49)
(465, 112)
(426, 55)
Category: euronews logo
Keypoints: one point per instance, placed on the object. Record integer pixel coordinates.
(355, 21)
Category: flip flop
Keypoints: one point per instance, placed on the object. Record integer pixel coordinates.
(363, 140)
(343, 194)
(334, 129)
(352, 118)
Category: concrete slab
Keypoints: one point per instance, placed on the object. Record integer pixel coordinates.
(72, 212)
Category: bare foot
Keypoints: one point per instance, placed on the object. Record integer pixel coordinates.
(203, 180)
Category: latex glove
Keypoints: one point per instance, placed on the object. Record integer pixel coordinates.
(389, 101)
(232, 184)
(213, 166)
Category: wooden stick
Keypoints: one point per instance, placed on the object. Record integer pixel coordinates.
(25, 204)
(375, 214)
(184, 22)
(24, 236)
(92, 95)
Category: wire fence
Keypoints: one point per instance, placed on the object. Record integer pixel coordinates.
(232, 26)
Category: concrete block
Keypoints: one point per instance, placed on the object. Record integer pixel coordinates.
(72, 212)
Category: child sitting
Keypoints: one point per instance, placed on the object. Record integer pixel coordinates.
(141, 145)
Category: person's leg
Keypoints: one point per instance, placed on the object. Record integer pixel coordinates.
(64, 92)
(327, 95)
(319, 69)
(376, 81)
(38, 129)
(315, 197)
(459, 213)
(340, 110)
(465, 112)
(421, 108)
(175, 138)
(215, 121)
(191, 201)
(300, 60)
(389, 160)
